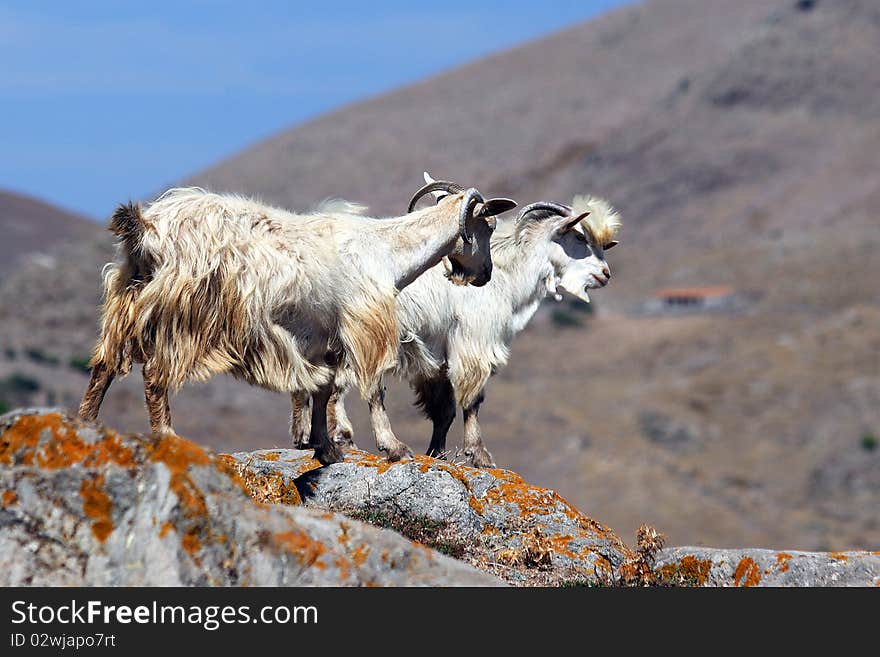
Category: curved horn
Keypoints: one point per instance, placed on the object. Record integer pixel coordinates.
(468, 203)
(437, 185)
(547, 206)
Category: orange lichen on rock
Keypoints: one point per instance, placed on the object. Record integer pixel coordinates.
(687, 569)
(359, 554)
(166, 527)
(559, 545)
(191, 543)
(97, 506)
(747, 573)
(344, 567)
(603, 565)
(178, 455)
(381, 464)
(21, 443)
(532, 501)
(306, 549)
(840, 556)
(270, 456)
(782, 559)
(10, 497)
(270, 488)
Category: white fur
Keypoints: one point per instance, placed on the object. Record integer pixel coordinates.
(467, 332)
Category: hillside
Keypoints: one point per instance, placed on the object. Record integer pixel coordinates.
(29, 226)
(738, 140)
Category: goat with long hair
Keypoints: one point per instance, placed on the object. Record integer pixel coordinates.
(214, 283)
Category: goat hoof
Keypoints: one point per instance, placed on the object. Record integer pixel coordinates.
(397, 453)
(481, 458)
(344, 440)
(328, 454)
(436, 453)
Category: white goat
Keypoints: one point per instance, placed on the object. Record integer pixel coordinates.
(209, 283)
(454, 339)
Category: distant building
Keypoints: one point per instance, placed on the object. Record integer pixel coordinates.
(693, 299)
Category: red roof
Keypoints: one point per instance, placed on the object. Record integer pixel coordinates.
(702, 292)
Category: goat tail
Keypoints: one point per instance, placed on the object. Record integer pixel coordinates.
(128, 224)
(123, 281)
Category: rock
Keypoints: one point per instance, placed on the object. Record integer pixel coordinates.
(81, 505)
(492, 518)
(699, 566)
(85, 506)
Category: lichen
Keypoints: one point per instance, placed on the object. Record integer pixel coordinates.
(687, 571)
(782, 559)
(306, 549)
(97, 506)
(264, 488)
(747, 573)
(10, 497)
(21, 443)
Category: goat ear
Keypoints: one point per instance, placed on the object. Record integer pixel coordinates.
(495, 206)
(438, 195)
(610, 245)
(567, 223)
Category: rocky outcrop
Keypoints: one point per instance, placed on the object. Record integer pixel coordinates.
(491, 518)
(700, 566)
(84, 505)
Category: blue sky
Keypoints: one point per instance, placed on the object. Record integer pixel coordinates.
(102, 100)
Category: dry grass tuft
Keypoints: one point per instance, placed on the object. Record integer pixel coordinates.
(536, 552)
(640, 570)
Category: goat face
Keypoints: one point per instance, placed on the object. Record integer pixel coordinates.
(470, 262)
(579, 262)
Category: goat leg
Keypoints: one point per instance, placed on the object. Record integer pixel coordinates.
(326, 450)
(300, 419)
(474, 449)
(386, 441)
(100, 380)
(437, 399)
(156, 397)
(338, 424)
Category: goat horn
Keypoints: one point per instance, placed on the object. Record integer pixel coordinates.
(468, 203)
(552, 208)
(436, 186)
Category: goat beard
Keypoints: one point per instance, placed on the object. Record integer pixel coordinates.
(456, 274)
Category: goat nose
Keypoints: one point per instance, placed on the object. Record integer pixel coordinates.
(607, 272)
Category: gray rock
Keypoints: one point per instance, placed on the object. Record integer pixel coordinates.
(85, 506)
(700, 566)
(508, 527)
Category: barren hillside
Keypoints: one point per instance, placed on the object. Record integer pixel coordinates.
(739, 141)
(31, 226)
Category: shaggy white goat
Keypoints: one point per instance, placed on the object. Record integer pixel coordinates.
(208, 283)
(454, 339)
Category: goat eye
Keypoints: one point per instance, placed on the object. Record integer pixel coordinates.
(580, 236)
